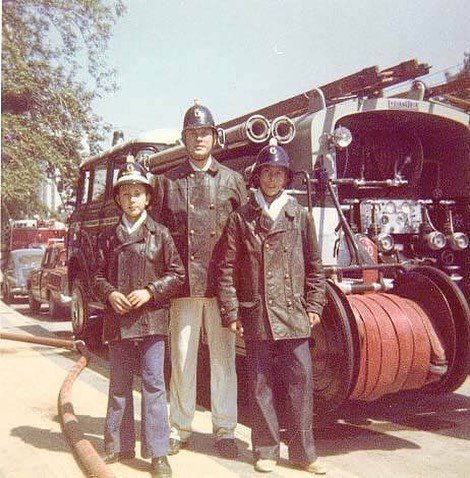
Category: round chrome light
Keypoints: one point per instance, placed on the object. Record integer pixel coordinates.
(435, 240)
(405, 207)
(385, 242)
(390, 207)
(458, 241)
(342, 137)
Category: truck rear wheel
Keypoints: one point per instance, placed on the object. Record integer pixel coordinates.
(80, 313)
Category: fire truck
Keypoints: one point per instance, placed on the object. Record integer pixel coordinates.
(30, 233)
(387, 178)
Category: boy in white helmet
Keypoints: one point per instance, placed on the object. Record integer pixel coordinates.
(139, 270)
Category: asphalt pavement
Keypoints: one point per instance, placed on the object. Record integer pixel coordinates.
(406, 435)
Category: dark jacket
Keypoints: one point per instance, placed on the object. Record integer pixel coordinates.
(146, 259)
(195, 207)
(271, 274)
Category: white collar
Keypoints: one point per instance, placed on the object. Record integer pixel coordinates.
(204, 168)
(273, 209)
(132, 227)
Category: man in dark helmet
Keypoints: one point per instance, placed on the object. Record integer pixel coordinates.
(138, 271)
(194, 201)
(271, 291)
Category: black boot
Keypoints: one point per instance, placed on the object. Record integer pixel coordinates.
(118, 456)
(160, 467)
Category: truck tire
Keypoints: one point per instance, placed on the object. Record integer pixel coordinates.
(34, 305)
(80, 312)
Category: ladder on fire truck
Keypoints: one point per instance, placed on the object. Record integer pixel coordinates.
(367, 83)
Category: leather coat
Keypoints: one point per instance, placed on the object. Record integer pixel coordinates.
(195, 205)
(271, 274)
(148, 259)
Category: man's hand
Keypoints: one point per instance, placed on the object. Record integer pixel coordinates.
(314, 319)
(318, 334)
(139, 297)
(237, 328)
(119, 302)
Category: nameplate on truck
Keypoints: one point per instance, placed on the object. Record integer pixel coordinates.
(403, 104)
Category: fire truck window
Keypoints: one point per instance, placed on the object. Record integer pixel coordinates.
(63, 258)
(115, 173)
(84, 187)
(45, 260)
(99, 183)
(52, 258)
(118, 162)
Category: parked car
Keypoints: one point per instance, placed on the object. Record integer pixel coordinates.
(19, 265)
(48, 283)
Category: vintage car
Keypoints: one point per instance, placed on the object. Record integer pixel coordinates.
(48, 283)
(19, 264)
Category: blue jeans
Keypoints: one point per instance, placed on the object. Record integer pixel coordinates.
(266, 359)
(119, 433)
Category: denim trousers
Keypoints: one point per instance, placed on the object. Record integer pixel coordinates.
(187, 317)
(119, 434)
(290, 361)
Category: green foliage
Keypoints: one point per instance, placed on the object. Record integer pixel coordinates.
(53, 67)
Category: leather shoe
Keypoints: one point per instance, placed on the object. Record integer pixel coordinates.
(265, 465)
(316, 467)
(175, 446)
(226, 447)
(118, 456)
(160, 467)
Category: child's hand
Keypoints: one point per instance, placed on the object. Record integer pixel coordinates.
(237, 328)
(119, 302)
(139, 297)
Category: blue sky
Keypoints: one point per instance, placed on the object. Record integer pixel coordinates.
(237, 56)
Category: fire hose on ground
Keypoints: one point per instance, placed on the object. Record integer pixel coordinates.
(86, 454)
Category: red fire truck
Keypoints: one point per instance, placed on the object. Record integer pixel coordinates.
(387, 178)
(31, 233)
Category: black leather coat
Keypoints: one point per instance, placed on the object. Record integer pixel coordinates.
(271, 274)
(195, 206)
(149, 259)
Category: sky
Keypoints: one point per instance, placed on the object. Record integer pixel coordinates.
(238, 56)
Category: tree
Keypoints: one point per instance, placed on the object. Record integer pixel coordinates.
(53, 67)
(461, 80)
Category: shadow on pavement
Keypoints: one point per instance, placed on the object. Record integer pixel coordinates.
(447, 414)
(354, 426)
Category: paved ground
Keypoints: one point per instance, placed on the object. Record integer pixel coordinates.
(401, 436)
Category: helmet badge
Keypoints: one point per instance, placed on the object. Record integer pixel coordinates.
(272, 150)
